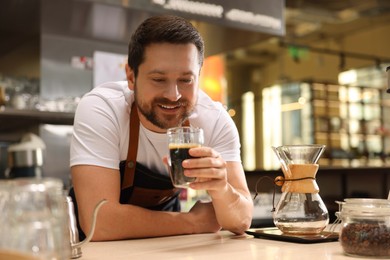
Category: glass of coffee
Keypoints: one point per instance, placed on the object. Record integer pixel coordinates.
(180, 141)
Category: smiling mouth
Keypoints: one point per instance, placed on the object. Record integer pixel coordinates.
(170, 107)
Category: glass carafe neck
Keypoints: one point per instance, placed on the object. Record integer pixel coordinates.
(300, 178)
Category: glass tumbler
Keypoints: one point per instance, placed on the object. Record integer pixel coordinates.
(180, 141)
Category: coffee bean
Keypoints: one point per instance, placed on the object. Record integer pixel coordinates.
(366, 239)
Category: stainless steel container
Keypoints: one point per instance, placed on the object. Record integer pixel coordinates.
(25, 159)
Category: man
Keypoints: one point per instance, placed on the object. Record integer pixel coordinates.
(118, 123)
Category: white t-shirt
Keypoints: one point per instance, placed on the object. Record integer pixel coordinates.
(101, 130)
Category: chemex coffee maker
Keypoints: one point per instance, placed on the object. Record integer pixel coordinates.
(25, 159)
(300, 210)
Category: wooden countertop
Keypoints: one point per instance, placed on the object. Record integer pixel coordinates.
(221, 245)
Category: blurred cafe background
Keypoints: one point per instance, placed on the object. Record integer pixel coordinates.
(288, 72)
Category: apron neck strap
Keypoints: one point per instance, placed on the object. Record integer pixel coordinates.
(186, 123)
(131, 160)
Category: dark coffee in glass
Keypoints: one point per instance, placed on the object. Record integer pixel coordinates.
(179, 153)
(180, 141)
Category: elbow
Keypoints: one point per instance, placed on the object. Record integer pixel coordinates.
(243, 222)
(95, 224)
(242, 226)
(98, 233)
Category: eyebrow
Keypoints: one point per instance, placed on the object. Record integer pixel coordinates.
(162, 72)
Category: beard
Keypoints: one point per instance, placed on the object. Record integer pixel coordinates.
(152, 111)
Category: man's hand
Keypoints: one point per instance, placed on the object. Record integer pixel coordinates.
(209, 169)
(225, 183)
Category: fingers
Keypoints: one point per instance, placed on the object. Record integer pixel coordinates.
(205, 158)
(207, 167)
(165, 160)
(204, 162)
(207, 178)
(204, 152)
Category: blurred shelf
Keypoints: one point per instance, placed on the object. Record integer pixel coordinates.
(13, 119)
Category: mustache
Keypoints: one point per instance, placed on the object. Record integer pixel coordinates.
(167, 102)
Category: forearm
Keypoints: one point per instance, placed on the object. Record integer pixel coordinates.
(233, 210)
(116, 221)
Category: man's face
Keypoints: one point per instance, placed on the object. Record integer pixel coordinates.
(166, 86)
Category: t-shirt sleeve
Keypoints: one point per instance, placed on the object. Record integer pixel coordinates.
(225, 138)
(95, 139)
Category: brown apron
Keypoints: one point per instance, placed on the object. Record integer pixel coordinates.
(139, 185)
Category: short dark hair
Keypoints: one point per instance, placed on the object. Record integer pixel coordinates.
(162, 29)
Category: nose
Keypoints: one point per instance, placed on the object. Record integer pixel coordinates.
(172, 93)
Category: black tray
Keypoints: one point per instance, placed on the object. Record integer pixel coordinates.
(275, 234)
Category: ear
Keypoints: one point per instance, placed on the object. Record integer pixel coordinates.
(130, 77)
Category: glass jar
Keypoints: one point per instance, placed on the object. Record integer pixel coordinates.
(365, 228)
